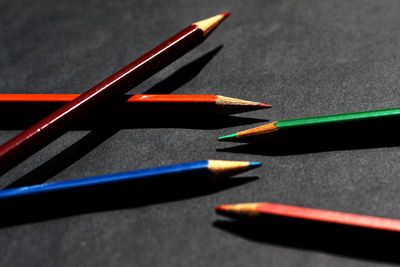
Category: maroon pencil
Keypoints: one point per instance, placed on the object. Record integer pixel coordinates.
(117, 84)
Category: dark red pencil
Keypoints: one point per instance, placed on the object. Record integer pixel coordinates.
(117, 84)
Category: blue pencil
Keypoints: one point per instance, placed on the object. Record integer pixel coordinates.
(211, 169)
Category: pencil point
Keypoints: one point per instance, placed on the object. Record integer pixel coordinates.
(220, 208)
(254, 164)
(210, 24)
(226, 14)
(264, 105)
(225, 168)
(236, 105)
(230, 136)
(263, 129)
(235, 210)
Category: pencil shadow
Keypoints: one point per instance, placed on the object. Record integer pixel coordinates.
(353, 242)
(182, 121)
(99, 135)
(65, 158)
(368, 134)
(183, 75)
(123, 195)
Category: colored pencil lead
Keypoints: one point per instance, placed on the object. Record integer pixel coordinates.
(229, 136)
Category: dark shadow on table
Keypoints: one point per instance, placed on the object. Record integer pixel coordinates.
(184, 120)
(367, 134)
(97, 136)
(123, 195)
(354, 242)
(184, 74)
(65, 158)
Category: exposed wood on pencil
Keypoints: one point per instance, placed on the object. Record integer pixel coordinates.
(222, 168)
(117, 84)
(229, 101)
(327, 216)
(208, 25)
(267, 128)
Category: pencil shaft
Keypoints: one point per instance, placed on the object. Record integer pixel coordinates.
(187, 168)
(327, 216)
(138, 98)
(118, 83)
(331, 216)
(347, 117)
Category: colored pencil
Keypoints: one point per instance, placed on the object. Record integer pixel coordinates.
(117, 84)
(326, 216)
(30, 104)
(314, 121)
(208, 169)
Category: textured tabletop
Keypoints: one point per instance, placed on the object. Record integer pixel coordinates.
(305, 58)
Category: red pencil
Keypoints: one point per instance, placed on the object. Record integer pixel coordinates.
(136, 72)
(327, 216)
(30, 105)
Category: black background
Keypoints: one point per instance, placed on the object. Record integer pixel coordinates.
(305, 58)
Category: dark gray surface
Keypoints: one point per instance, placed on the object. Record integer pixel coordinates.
(305, 58)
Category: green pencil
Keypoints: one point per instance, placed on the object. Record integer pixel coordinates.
(314, 121)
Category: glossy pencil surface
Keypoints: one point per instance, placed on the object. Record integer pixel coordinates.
(338, 118)
(327, 216)
(214, 169)
(65, 98)
(315, 121)
(117, 84)
(25, 109)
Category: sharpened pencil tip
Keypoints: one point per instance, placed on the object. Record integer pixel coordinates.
(220, 208)
(238, 210)
(226, 168)
(264, 105)
(226, 14)
(227, 210)
(254, 164)
(230, 136)
(208, 25)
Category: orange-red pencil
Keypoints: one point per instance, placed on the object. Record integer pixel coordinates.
(153, 104)
(326, 216)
